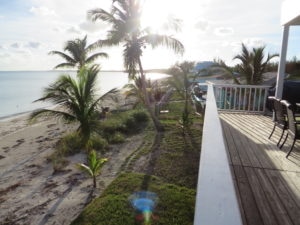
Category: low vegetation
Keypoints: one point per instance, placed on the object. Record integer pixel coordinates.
(175, 204)
(113, 130)
(168, 168)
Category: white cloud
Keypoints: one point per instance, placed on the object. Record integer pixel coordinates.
(4, 55)
(42, 11)
(15, 45)
(202, 25)
(223, 31)
(73, 30)
(33, 44)
(92, 27)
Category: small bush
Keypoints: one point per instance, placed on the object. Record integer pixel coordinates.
(135, 119)
(117, 138)
(140, 116)
(58, 162)
(130, 123)
(98, 143)
(70, 144)
(110, 126)
(125, 122)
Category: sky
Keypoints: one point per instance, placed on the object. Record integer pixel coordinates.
(30, 29)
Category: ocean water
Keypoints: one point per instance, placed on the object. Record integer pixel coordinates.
(18, 89)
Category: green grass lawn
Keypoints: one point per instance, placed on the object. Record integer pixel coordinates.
(175, 204)
(173, 164)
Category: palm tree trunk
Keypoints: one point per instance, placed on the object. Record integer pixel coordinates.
(94, 182)
(156, 122)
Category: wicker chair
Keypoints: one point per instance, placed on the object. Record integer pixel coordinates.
(293, 125)
(279, 117)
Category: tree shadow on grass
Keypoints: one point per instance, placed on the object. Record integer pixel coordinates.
(155, 153)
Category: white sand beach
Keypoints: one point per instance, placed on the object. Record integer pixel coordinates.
(29, 191)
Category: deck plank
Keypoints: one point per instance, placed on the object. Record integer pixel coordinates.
(243, 215)
(267, 184)
(279, 210)
(233, 152)
(283, 191)
(260, 197)
(233, 146)
(252, 214)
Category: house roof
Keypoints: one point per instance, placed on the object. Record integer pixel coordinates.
(290, 12)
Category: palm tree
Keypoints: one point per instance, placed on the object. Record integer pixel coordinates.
(154, 91)
(78, 54)
(78, 101)
(124, 19)
(181, 72)
(133, 91)
(93, 167)
(253, 66)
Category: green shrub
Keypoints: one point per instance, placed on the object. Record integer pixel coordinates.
(124, 122)
(135, 119)
(117, 138)
(130, 123)
(140, 116)
(58, 162)
(98, 143)
(70, 144)
(112, 125)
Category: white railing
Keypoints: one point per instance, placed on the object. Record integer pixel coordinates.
(216, 200)
(250, 98)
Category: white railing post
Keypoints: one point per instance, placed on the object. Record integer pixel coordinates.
(250, 98)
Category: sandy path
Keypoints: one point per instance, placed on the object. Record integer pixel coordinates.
(29, 191)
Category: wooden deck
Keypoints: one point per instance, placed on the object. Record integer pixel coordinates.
(267, 184)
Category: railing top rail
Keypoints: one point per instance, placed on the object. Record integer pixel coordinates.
(216, 200)
(238, 85)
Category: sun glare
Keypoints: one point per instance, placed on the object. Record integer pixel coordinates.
(156, 13)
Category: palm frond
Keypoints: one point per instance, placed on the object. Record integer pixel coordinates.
(65, 65)
(93, 57)
(156, 40)
(51, 113)
(85, 168)
(101, 14)
(63, 55)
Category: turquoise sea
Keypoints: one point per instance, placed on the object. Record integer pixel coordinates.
(18, 89)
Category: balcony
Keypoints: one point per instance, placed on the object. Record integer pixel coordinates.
(244, 178)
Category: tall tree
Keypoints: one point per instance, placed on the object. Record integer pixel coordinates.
(253, 65)
(78, 54)
(124, 18)
(78, 100)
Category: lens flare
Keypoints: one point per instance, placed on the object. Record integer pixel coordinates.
(143, 202)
